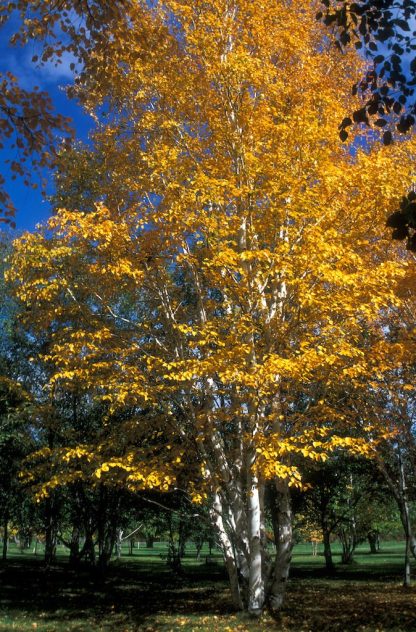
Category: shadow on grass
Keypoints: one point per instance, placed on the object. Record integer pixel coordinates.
(327, 605)
(137, 590)
(140, 594)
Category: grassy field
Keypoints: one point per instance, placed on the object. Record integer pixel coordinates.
(140, 593)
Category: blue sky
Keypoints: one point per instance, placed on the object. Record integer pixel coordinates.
(31, 208)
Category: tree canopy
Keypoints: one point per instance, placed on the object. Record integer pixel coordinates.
(221, 296)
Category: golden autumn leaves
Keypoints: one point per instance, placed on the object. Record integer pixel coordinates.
(230, 299)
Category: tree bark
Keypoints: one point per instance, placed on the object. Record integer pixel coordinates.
(216, 514)
(407, 526)
(149, 541)
(329, 563)
(118, 543)
(348, 543)
(50, 531)
(407, 576)
(284, 545)
(256, 588)
(88, 550)
(5, 535)
(182, 538)
(373, 540)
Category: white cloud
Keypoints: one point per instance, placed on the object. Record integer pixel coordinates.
(30, 74)
(52, 72)
(12, 61)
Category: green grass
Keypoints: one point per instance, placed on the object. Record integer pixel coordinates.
(140, 593)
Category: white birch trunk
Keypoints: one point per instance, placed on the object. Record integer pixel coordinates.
(256, 588)
(216, 514)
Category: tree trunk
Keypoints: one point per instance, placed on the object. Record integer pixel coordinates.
(412, 544)
(119, 539)
(407, 577)
(50, 532)
(107, 546)
(400, 495)
(348, 545)
(74, 550)
(284, 545)
(329, 563)
(182, 539)
(88, 550)
(407, 526)
(5, 535)
(198, 547)
(216, 514)
(256, 588)
(174, 557)
(149, 541)
(373, 540)
(50, 549)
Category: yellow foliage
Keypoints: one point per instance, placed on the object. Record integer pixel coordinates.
(237, 295)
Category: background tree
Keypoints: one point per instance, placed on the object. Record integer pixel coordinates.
(384, 31)
(15, 444)
(346, 499)
(30, 129)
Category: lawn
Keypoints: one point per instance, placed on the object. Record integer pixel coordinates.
(140, 593)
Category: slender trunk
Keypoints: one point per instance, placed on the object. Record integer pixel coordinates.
(284, 545)
(227, 551)
(50, 531)
(266, 559)
(407, 577)
(50, 548)
(373, 540)
(400, 496)
(107, 546)
(182, 539)
(329, 563)
(149, 541)
(406, 523)
(174, 552)
(119, 539)
(412, 544)
(101, 524)
(348, 545)
(405, 518)
(74, 551)
(256, 589)
(88, 550)
(5, 535)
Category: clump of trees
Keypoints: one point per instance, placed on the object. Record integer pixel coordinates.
(225, 312)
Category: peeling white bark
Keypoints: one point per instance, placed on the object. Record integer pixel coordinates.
(216, 514)
(256, 588)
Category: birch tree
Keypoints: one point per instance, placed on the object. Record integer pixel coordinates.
(224, 296)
